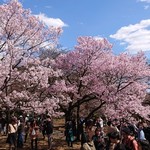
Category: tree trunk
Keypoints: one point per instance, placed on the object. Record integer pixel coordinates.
(7, 119)
(94, 110)
(68, 115)
(78, 119)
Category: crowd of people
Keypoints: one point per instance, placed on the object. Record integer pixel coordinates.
(18, 130)
(112, 135)
(93, 134)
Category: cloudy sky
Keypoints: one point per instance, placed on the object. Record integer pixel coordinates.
(125, 23)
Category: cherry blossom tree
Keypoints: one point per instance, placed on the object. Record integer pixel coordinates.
(24, 77)
(75, 66)
(95, 78)
(126, 79)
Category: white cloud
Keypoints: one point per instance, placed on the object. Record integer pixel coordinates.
(98, 37)
(122, 43)
(136, 36)
(147, 1)
(56, 22)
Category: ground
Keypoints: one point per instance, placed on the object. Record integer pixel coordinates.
(59, 142)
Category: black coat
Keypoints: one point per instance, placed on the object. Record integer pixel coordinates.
(49, 127)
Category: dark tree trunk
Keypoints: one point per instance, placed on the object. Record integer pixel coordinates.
(68, 115)
(94, 110)
(7, 119)
(78, 119)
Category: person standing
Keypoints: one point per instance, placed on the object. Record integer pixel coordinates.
(27, 129)
(129, 140)
(12, 129)
(3, 125)
(141, 134)
(86, 137)
(69, 133)
(21, 131)
(49, 131)
(98, 139)
(34, 134)
(43, 128)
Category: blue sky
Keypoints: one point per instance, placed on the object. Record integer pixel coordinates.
(125, 23)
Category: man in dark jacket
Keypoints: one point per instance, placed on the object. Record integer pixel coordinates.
(49, 131)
